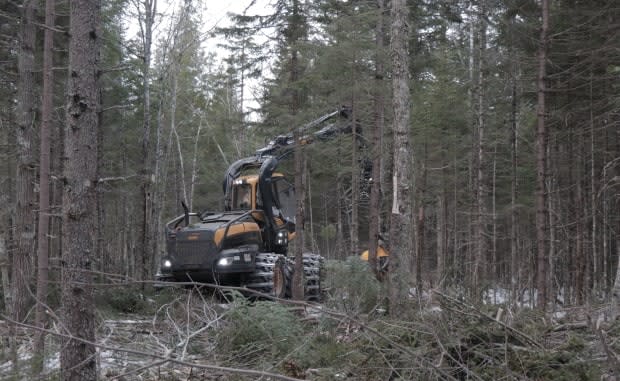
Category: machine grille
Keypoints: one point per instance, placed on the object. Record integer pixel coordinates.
(191, 254)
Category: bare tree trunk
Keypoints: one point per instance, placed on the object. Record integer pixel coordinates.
(24, 235)
(77, 358)
(470, 269)
(147, 12)
(173, 128)
(355, 186)
(401, 243)
(300, 186)
(515, 272)
(377, 144)
(571, 214)
(580, 283)
(541, 162)
(194, 166)
(44, 184)
(596, 275)
(480, 242)
(159, 188)
(441, 238)
(4, 273)
(25, 177)
(497, 262)
(420, 225)
(615, 219)
(552, 238)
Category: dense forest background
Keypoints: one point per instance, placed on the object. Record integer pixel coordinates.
(511, 139)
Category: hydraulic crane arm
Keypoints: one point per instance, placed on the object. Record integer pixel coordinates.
(282, 145)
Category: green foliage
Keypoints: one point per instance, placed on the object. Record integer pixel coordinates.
(352, 286)
(263, 329)
(561, 365)
(322, 351)
(122, 300)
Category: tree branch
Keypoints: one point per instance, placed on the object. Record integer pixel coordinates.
(249, 372)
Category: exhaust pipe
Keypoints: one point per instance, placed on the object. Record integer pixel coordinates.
(186, 212)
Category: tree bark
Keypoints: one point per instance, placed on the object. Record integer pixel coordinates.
(480, 241)
(44, 184)
(401, 233)
(541, 162)
(78, 359)
(300, 186)
(377, 144)
(25, 243)
(144, 246)
(514, 186)
(355, 185)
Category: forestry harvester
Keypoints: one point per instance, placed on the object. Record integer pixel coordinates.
(246, 244)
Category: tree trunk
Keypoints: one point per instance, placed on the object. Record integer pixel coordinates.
(541, 162)
(143, 247)
(300, 186)
(78, 358)
(598, 278)
(194, 174)
(25, 243)
(377, 144)
(470, 275)
(44, 184)
(25, 177)
(355, 186)
(420, 225)
(480, 241)
(441, 239)
(401, 242)
(514, 186)
(4, 273)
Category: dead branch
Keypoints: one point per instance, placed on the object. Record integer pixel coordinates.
(249, 372)
(479, 313)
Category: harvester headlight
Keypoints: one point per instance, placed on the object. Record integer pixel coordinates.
(225, 261)
(282, 238)
(167, 264)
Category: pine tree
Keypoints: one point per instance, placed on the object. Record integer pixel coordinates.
(44, 183)
(401, 243)
(77, 359)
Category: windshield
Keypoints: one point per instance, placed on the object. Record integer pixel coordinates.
(284, 194)
(242, 197)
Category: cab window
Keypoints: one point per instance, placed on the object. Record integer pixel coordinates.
(284, 197)
(242, 197)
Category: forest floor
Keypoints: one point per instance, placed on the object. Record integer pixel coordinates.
(181, 334)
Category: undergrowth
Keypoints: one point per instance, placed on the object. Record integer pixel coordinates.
(450, 341)
(348, 337)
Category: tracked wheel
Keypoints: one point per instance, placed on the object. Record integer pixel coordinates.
(313, 266)
(281, 278)
(271, 275)
(274, 273)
